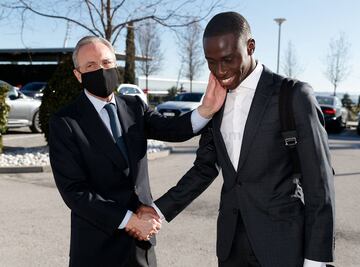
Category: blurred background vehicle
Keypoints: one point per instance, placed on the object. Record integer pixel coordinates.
(132, 89)
(34, 89)
(335, 114)
(24, 110)
(182, 103)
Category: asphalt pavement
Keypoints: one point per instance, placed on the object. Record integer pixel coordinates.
(35, 223)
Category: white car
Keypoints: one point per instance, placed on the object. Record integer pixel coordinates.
(24, 110)
(132, 89)
(182, 103)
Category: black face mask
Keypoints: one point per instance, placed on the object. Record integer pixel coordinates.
(101, 82)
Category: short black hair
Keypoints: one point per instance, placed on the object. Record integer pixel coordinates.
(228, 22)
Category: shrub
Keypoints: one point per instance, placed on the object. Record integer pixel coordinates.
(4, 111)
(61, 89)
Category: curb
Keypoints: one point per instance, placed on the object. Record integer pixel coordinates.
(26, 169)
(47, 168)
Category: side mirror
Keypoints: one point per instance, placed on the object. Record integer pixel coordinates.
(13, 97)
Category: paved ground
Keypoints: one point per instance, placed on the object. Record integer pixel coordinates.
(35, 223)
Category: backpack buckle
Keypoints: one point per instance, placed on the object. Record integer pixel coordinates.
(290, 141)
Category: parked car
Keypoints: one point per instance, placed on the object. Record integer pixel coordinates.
(358, 125)
(336, 116)
(132, 89)
(24, 110)
(182, 103)
(34, 89)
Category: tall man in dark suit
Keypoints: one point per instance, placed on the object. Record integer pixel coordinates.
(262, 220)
(98, 153)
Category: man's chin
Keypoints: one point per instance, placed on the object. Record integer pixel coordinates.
(232, 86)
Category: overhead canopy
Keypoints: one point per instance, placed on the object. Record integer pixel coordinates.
(43, 55)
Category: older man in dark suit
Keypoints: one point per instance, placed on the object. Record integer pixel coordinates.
(98, 153)
(262, 219)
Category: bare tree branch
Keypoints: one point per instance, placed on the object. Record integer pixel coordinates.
(191, 50)
(116, 8)
(28, 7)
(88, 3)
(109, 17)
(291, 65)
(148, 46)
(100, 14)
(337, 60)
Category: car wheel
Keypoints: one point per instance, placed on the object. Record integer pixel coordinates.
(35, 127)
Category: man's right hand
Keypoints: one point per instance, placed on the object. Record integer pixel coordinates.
(142, 228)
(213, 99)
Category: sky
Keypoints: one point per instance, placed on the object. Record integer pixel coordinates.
(309, 25)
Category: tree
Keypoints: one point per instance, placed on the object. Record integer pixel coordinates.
(129, 75)
(148, 46)
(62, 88)
(291, 65)
(107, 18)
(337, 60)
(346, 101)
(191, 50)
(4, 111)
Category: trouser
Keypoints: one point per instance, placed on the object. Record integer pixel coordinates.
(143, 255)
(241, 254)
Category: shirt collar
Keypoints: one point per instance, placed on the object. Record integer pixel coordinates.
(97, 103)
(252, 80)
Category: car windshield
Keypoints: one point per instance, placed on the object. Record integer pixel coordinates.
(191, 97)
(325, 100)
(33, 86)
(129, 90)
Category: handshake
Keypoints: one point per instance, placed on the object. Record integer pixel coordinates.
(144, 224)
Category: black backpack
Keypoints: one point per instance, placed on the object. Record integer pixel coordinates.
(289, 134)
(288, 131)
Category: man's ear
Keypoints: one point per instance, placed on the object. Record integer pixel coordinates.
(77, 75)
(251, 47)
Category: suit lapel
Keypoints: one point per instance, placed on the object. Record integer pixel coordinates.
(96, 130)
(218, 138)
(258, 106)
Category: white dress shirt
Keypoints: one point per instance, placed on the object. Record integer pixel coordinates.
(197, 122)
(236, 111)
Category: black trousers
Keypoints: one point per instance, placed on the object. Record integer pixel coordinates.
(143, 255)
(241, 255)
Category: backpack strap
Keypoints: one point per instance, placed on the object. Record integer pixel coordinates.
(288, 130)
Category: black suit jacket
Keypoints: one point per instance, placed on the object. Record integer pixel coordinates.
(90, 173)
(281, 230)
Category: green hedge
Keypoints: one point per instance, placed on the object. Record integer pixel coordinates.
(62, 88)
(4, 111)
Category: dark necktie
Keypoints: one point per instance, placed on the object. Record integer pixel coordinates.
(142, 186)
(115, 129)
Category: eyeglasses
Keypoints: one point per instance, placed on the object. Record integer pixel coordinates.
(92, 65)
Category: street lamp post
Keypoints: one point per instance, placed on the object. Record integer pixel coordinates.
(279, 21)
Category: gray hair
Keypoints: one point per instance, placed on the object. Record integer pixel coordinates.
(88, 40)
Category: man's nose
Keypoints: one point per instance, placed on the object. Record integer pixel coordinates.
(220, 71)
